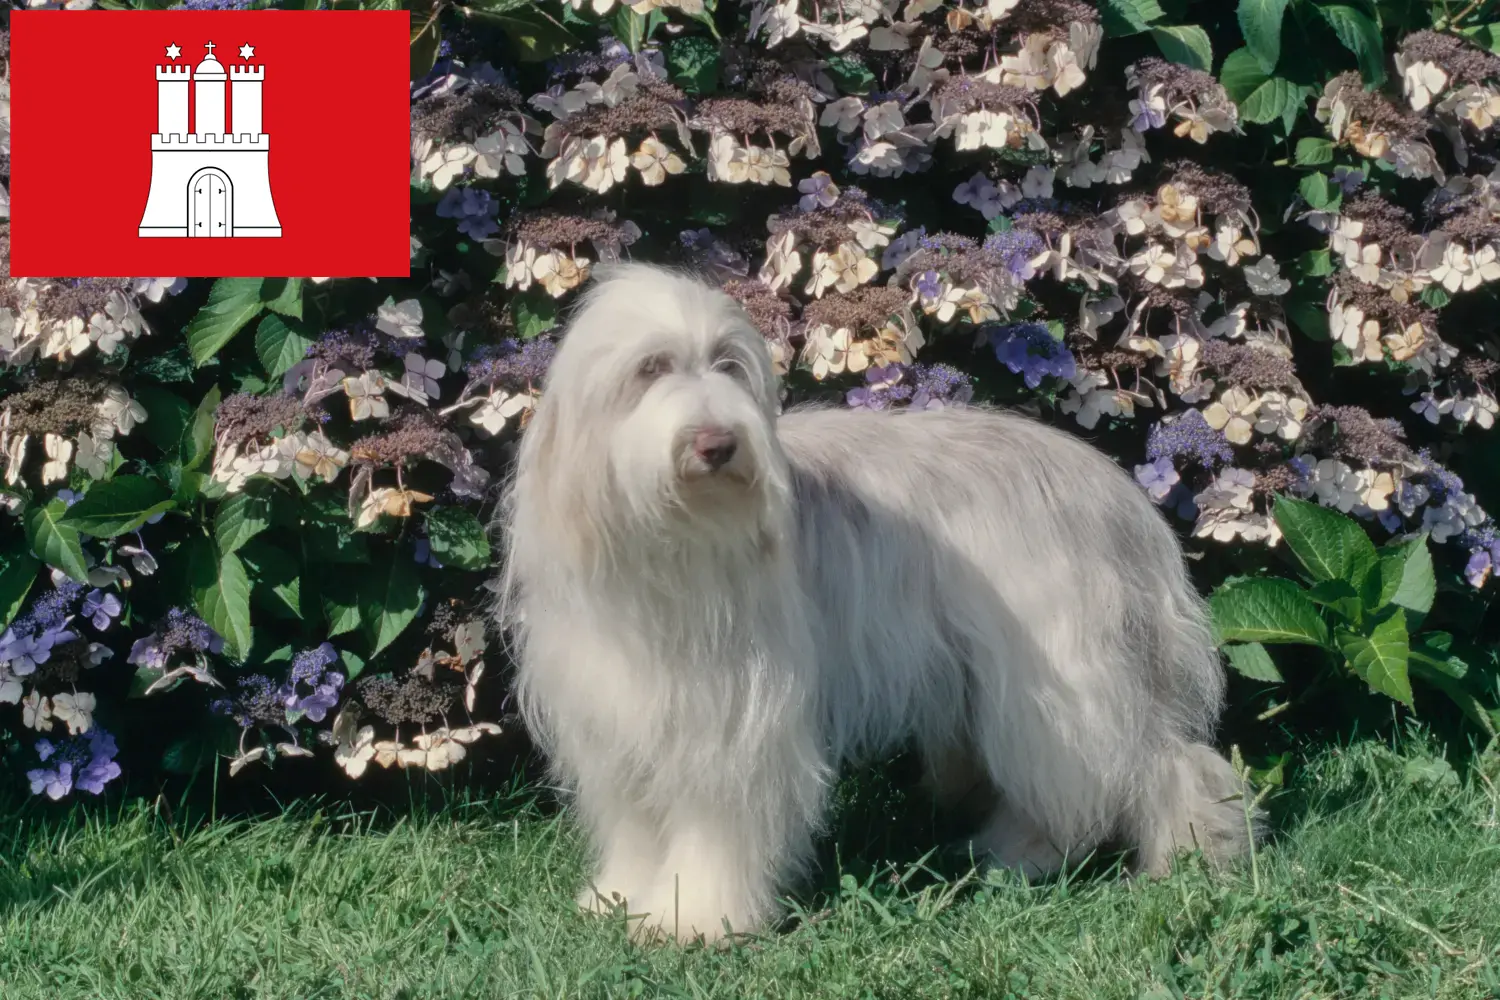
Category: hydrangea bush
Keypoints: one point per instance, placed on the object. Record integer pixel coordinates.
(1251, 249)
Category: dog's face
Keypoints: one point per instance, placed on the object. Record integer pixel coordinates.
(664, 383)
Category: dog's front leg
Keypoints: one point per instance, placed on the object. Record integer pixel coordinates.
(626, 840)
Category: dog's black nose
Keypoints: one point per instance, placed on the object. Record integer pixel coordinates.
(715, 447)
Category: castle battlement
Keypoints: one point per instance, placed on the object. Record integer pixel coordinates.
(167, 74)
(247, 73)
(216, 141)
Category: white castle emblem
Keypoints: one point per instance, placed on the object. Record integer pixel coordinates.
(211, 181)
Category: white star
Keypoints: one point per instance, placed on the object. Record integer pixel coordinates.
(247, 50)
(174, 50)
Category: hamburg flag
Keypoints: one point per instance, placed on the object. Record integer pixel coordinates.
(210, 143)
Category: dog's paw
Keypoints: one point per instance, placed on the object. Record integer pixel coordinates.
(594, 900)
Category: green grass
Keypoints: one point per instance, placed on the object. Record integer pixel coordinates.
(1383, 881)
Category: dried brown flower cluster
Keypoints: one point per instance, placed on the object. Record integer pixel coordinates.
(1246, 366)
(411, 436)
(654, 105)
(556, 231)
(1374, 111)
(1178, 82)
(243, 417)
(1462, 62)
(1216, 192)
(412, 700)
(863, 310)
(771, 314)
(1353, 433)
(472, 111)
(60, 406)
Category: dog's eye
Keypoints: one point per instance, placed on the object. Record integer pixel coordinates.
(730, 365)
(655, 366)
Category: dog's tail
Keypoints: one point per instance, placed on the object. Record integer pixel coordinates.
(1193, 800)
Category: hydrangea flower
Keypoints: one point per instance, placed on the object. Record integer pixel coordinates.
(83, 762)
(1030, 350)
(101, 608)
(474, 209)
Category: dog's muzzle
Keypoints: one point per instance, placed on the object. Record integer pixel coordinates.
(714, 447)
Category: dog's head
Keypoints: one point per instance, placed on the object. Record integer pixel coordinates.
(661, 402)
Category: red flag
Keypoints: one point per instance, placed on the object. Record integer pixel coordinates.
(281, 137)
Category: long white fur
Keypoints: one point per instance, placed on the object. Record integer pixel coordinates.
(698, 652)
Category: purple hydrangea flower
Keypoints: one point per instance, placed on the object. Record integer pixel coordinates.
(1189, 436)
(1030, 350)
(1147, 118)
(939, 386)
(310, 668)
(818, 191)
(179, 631)
(1158, 478)
(30, 639)
(101, 608)
(85, 762)
(474, 209)
(1016, 249)
(511, 364)
(883, 388)
(1481, 563)
(929, 285)
(69, 497)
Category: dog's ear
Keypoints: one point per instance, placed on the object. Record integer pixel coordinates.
(543, 471)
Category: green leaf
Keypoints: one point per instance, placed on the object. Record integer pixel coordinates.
(1270, 101)
(1436, 296)
(1254, 661)
(353, 664)
(1461, 696)
(1434, 649)
(120, 505)
(239, 519)
(276, 576)
(1409, 565)
(533, 34)
(694, 62)
(1339, 595)
(629, 27)
(389, 596)
(1260, 23)
(1313, 151)
(199, 442)
(1129, 17)
(1380, 658)
(283, 295)
(850, 75)
(1316, 263)
(18, 569)
(55, 543)
(1484, 35)
(1314, 187)
(232, 303)
(426, 36)
(1266, 610)
(1187, 44)
(1361, 36)
(534, 315)
(1329, 545)
(340, 603)
(458, 539)
(167, 416)
(1241, 75)
(280, 344)
(221, 594)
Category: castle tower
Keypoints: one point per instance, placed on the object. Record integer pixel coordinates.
(172, 99)
(208, 95)
(214, 181)
(244, 84)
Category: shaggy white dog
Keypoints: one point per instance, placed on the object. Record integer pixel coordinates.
(712, 606)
